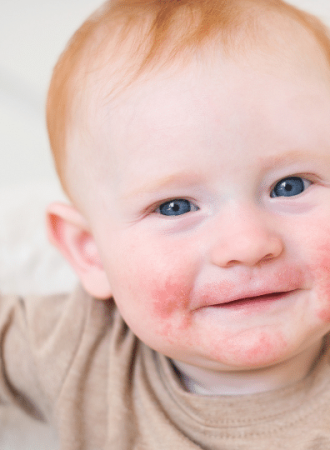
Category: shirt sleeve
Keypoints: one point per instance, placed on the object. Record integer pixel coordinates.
(39, 337)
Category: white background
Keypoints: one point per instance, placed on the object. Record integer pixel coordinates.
(32, 35)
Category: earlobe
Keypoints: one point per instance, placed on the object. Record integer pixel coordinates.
(69, 232)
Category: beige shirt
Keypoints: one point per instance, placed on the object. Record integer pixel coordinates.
(72, 361)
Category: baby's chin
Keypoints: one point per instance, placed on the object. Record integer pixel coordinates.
(219, 378)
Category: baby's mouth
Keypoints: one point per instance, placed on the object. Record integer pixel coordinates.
(254, 300)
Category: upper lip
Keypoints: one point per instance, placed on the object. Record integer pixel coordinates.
(284, 280)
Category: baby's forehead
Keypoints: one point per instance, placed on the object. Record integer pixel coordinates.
(108, 98)
(125, 42)
(174, 99)
(101, 107)
(105, 94)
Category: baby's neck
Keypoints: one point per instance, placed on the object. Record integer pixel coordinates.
(207, 382)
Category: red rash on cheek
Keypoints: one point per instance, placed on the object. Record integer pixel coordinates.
(169, 298)
(170, 308)
(321, 274)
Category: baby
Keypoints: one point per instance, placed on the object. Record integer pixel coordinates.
(192, 138)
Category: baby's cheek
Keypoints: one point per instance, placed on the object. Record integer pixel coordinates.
(320, 270)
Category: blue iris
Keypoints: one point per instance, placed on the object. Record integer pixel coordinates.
(288, 187)
(175, 207)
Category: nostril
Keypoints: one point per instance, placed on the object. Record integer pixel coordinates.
(232, 263)
(269, 256)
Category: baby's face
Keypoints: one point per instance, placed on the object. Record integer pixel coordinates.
(211, 211)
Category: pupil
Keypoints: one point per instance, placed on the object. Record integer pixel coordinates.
(176, 207)
(288, 187)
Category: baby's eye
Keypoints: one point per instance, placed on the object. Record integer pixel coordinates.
(176, 207)
(290, 186)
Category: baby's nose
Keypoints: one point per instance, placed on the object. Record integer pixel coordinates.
(247, 238)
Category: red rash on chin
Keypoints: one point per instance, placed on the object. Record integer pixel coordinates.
(254, 347)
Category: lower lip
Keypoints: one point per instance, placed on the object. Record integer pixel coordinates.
(254, 303)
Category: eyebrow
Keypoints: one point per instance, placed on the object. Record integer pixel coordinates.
(177, 179)
(185, 179)
(288, 157)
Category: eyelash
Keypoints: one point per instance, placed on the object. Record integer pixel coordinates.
(191, 207)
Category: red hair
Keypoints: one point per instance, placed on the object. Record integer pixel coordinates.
(153, 33)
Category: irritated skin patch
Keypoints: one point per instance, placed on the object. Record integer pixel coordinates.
(171, 305)
(169, 298)
(253, 348)
(321, 271)
(177, 315)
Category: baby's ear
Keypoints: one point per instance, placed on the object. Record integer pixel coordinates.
(69, 232)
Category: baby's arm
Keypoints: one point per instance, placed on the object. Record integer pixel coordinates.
(28, 264)
(35, 350)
